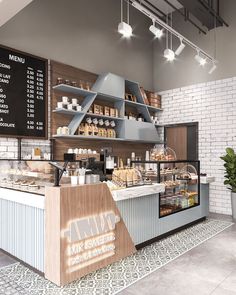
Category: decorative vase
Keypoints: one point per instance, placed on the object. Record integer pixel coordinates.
(233, 203)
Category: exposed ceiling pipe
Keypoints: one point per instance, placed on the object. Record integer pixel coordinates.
(213, 12)
(145, 6)
(183, 14)
(156, 8)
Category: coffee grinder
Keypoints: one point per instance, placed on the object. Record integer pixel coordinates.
(110, 161)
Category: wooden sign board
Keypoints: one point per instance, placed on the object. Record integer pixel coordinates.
(84, 232)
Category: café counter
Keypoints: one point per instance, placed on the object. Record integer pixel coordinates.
(74, 230)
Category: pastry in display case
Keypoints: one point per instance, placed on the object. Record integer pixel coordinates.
(180, 178)
(26, 175)
(29, 175)
(182, 189)
(127, 177)
(160, 153)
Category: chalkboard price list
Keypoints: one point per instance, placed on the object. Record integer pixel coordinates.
(22, 94)
(30, 94)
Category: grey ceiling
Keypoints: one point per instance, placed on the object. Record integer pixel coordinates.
(163, 6)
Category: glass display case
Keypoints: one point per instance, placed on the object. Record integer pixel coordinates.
(182, 186)
(181, 179)
(32, 176)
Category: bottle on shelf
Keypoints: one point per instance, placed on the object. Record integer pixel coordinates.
(140, 118)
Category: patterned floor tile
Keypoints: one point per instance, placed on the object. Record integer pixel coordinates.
(17, 279)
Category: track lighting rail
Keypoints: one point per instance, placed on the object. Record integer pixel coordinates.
(165, 26)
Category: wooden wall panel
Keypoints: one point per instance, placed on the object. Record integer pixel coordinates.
(120, 149)
(78, 203)
(66, 72)
(176, 138)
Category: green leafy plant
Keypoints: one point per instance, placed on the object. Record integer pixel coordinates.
(230, 169)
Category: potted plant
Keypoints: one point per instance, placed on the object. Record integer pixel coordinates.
(230, 176)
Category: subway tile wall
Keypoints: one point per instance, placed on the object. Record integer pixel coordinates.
(213, 105)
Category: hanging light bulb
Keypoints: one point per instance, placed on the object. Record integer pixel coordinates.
(124, 28)
(180, 48)
(158, 33)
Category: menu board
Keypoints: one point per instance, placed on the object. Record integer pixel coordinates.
(23, 94)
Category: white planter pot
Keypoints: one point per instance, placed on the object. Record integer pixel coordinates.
(233, 203)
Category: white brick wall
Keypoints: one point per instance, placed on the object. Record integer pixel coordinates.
(213, 105)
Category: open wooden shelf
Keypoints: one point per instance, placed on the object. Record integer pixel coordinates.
(108, 89)
(137, 104)
(73, 90)
(107, 97)
(80, 137)
(67, 112)
(154, 109)
(132, 103)
(87, 137)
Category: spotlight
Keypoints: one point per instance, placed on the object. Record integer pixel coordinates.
(213, 68)
(169, 54)
(202, 61)
(125, 29)
(180, 48)
(156, 31)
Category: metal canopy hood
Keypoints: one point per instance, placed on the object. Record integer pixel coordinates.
(207, 12)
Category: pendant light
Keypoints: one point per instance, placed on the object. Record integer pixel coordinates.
(169, 53)
(180, 48)
(158, 33)
(214, 66)
(201, 60)
(124, 28)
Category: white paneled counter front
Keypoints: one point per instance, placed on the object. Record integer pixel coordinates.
(22, 226)
(24, 198)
